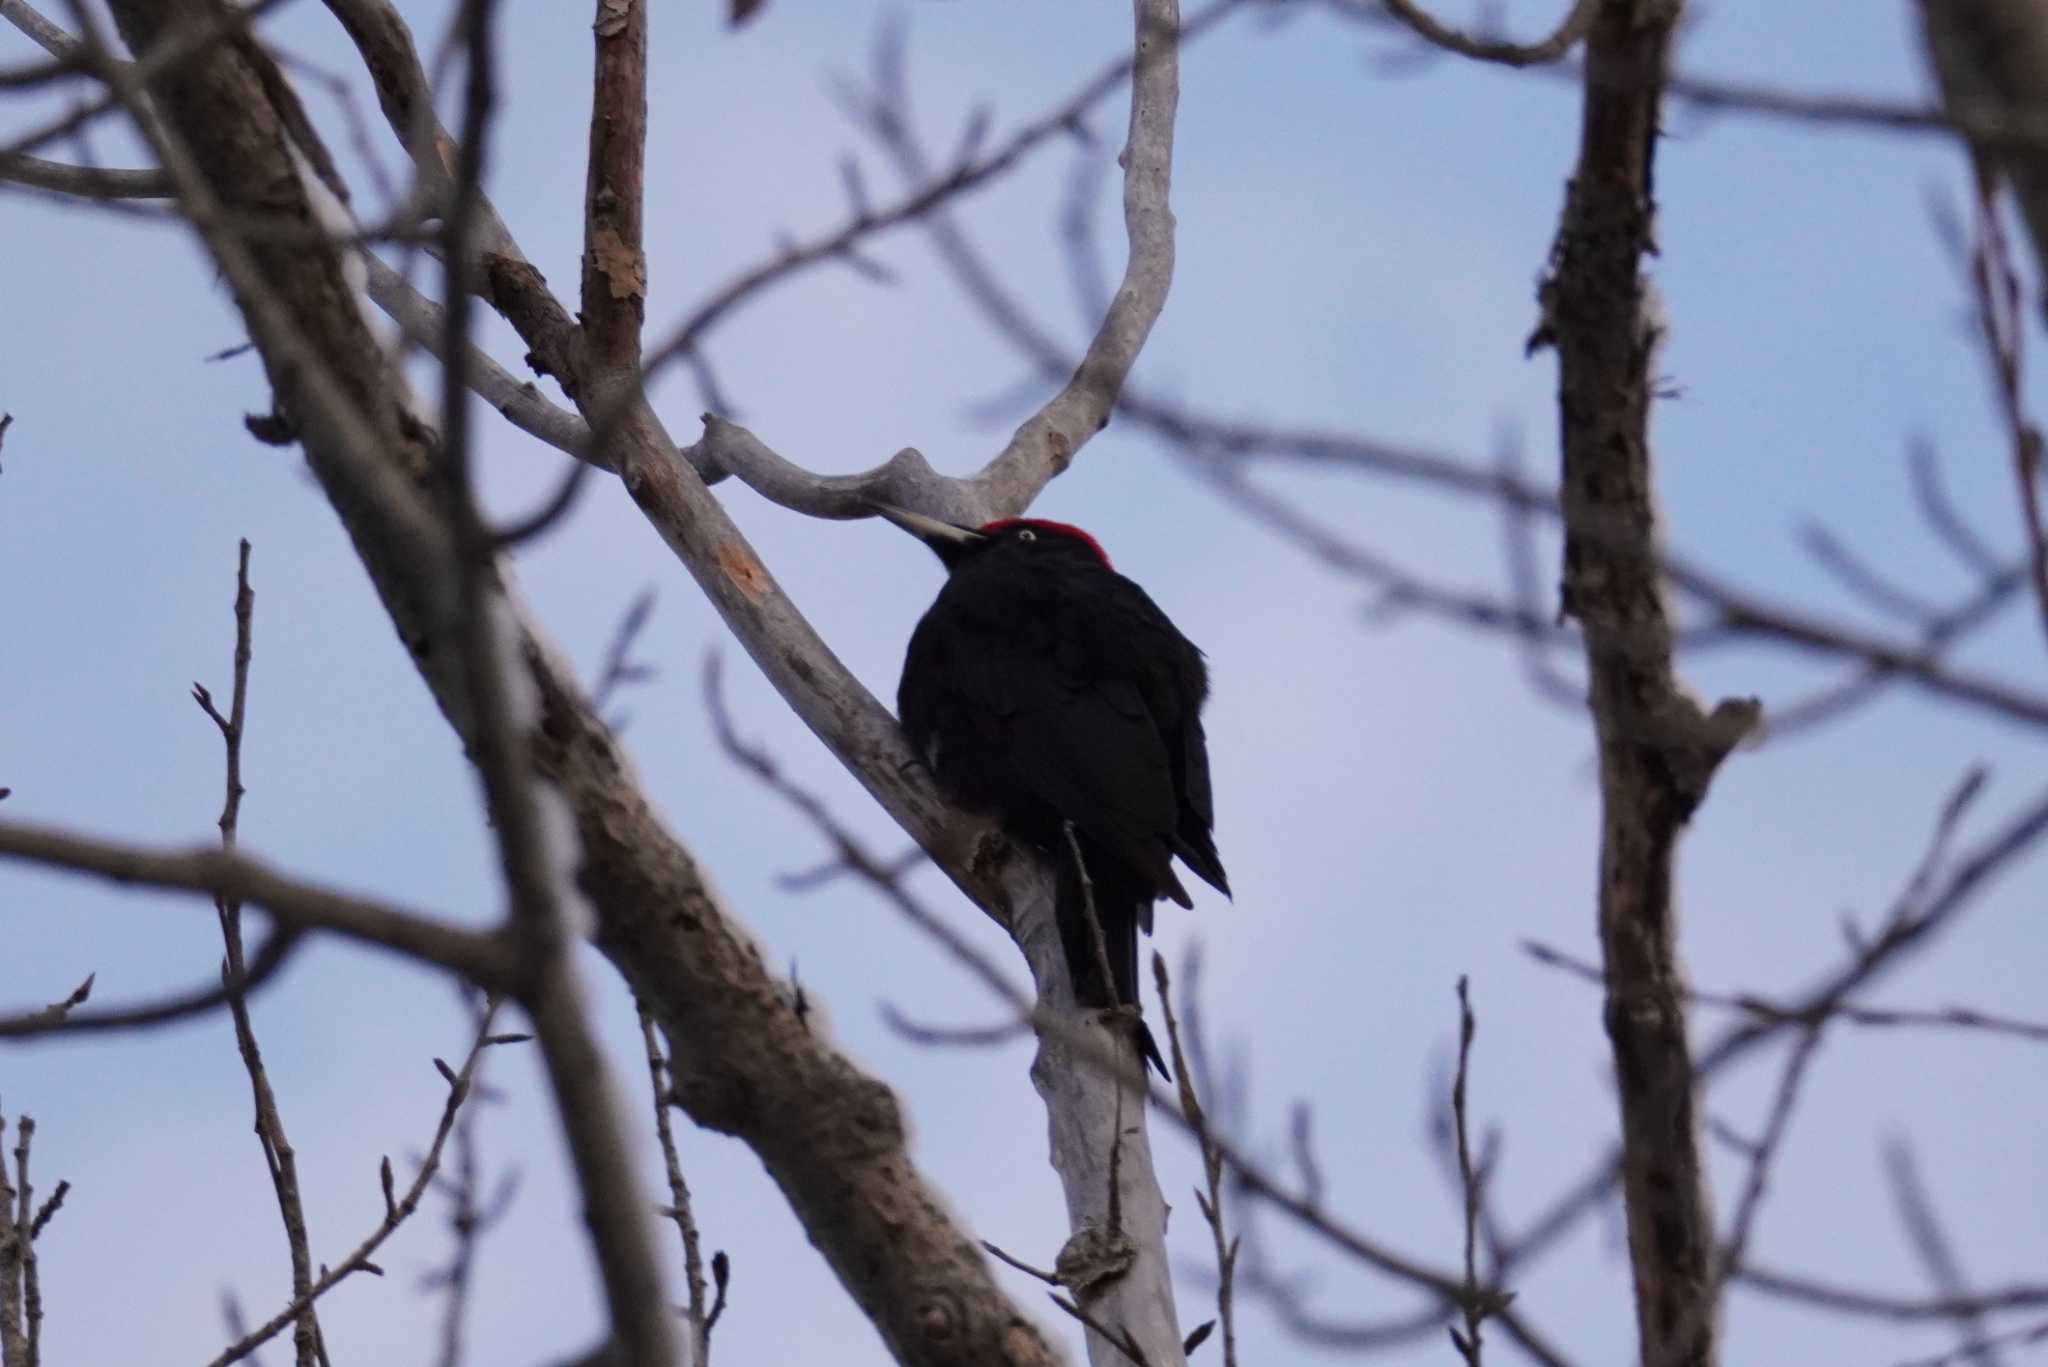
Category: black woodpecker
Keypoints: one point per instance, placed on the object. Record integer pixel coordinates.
(1047, 690)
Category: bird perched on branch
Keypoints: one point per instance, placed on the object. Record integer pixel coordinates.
(1047, 690)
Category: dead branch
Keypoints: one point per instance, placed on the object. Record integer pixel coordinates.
(1658, 749)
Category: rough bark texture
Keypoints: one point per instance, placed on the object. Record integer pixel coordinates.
(614, 259)
(744, 1063)
(1658, 749)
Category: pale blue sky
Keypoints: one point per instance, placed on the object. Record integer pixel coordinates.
(1357, 250)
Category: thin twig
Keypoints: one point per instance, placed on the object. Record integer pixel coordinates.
(1561, 40)
(1210, 1201)
(1000, 1256)
(470, 1215)
(620, 669)
(279, 1156)
(1479, 1302)
(397, 1208)
(1118, 1338)
(1849, 1013)
(298, 906)
(1937, 1255)
(679, 1208)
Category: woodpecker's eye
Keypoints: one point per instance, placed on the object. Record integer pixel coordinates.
(1026, 534)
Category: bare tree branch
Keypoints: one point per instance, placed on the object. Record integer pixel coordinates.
(278, 1154)
(1658, 749)
(302, 906)
(1903, 1309)
(549, 987)
(1849, 1013)
(1561, 40)
(84, 182)
(835, 1141)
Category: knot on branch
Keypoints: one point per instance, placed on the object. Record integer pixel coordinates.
(940, 1317)
(1698, 742)
(1092, 1259)
(866, 1116)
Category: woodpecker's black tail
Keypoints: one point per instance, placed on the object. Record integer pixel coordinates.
(1121, 909)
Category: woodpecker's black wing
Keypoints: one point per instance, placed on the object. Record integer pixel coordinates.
(1177, 685)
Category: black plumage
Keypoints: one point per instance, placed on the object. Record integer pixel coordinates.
(1048, 690)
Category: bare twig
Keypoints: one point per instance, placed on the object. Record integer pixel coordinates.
(59, 1018)
(470, 1213)
(299, 906)
(1863, 579)
(1897, 1308)
(1117, 1336)
(1984, 1348)
(59, 1011)
(954, 1036)
(620, 669)
(1939, 510)
(1210, 1201)
(1849, 1013)
(1937, 1256)
(278, 1154)
(1728, 1261)
(1479, 1301)
(397, 1208)
(696, 1314)
(1573, 27)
